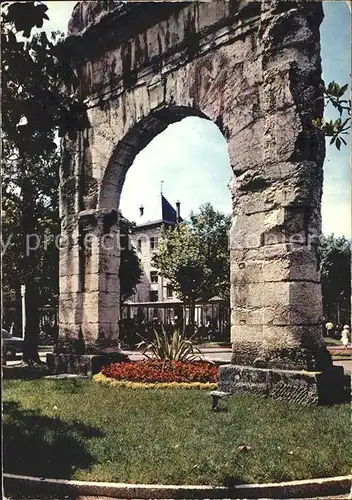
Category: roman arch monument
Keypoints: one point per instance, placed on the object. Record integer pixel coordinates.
(254, 69)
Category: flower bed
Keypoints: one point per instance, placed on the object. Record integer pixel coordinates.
(340, 351)
(153, 371)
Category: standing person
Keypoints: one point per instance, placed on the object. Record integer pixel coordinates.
(345, 336)
(177, 323)
(329, 328)
(208, 327)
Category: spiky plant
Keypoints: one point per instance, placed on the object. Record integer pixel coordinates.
(178, 348)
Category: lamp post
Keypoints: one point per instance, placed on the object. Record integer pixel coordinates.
(23, 302)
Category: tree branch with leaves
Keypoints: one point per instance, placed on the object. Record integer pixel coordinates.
(194, 256)
(334, 95)
(37, 104)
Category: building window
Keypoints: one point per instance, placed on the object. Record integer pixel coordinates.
(139, 245)
(153, 243)
(153, 295)
(153, 276)
(169, 291)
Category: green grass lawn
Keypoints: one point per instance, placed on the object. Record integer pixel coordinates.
(81, 430)
(332, 341)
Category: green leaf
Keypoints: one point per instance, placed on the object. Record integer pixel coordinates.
(343, 89)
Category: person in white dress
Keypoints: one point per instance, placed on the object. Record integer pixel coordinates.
(345, 336)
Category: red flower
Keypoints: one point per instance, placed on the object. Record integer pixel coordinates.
(159, 371)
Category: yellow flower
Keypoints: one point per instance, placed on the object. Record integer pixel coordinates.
(109, 382)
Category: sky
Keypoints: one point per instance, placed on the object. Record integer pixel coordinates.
(191, 157)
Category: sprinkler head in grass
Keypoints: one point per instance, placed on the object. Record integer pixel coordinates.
(216, 396)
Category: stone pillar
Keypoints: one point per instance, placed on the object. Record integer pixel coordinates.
(70, 287)
(89, 306)
(100, 246)
(276, 320)
(90, 303)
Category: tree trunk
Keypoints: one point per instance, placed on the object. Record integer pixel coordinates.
(338, 313)
(192, 309)
(31, 333)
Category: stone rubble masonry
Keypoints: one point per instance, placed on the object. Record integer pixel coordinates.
(254, 69)
(276, 298)
(299, 387)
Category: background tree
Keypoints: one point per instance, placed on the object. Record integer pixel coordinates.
(30, 207)
(36, 103)
(179, 260)
(211, 228)
(194, 256)
(335, 253)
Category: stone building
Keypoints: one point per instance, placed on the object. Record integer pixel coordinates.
(153, 290)
(155, 296)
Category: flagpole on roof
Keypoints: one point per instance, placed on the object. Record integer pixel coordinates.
(161, 187)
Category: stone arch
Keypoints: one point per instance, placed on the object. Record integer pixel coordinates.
(136, 139)
(254, 69)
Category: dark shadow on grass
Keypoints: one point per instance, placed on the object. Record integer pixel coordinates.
(24, 372)
(38, 445)
(231, 481)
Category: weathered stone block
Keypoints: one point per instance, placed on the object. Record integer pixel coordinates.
(70, 308)
(84, 364)
(249, 326)
(94, 282)
(279, 226)
(69, 263)
(245, 232)
(300, 387)
(293, 334)
(69, 331)
(106, 330)
(275, 315)
(155, 92)
(103, 282)
(112, 283)
(69, 284)
(282, 347)
(212, 14)
(289, 302)
(300, 265)
(241, 331)
(245, 148)
(276, 90)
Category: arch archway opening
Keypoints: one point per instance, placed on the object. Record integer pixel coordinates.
(186, 164)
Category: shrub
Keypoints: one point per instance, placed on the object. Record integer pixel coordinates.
(176, 348)
(154, 371)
